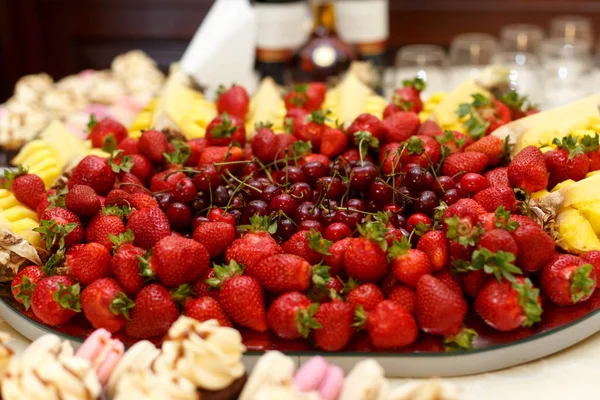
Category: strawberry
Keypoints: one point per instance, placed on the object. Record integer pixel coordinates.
(473, 281)
(430, 128)
(365, 257)
(401, 125)
(494, 197)
(335, 258)
(449, 280)
(106, 134)
(435, 245)
(59, 228)
(153, 314)
(24, 282)
(336, 319)
(141, 200)
(88, 262)
(282, 273)
(528, 170)
(129, 146)
(83, 201)
(453, 141)
(240, 296)
(568, 280)
(440, 310)
(313, 130)
(105, 305)
(461, 222)
(215, 237)
(291, 316)
(483, 115)
(141, 167)
(536, 247)
(94, 172)
(405, 297)
(148, 225)
(125, 265)
(591, 257)
(254, 246)
(421, 150)
(56, 299)
(522, 220)
(177, 260)
(44, 201)
(153, 144)
(408, 97)
(408, 264)
(226, 129)
(202, 289)
(107, 222)
(333, 141)
(458, 163)
(499, 239)
(389, 158)
(505, 305)
(309, 245)
(389, 325)
(131, 184)
(233, 101)
(221, 154)
(368, 123)
(165, 181)
(308, 96)
(498, 177)
(295, 121)
(197, 146)
(265, 143)
(204, 309)
(27, 188)
(591, 146)
(495, 148)
(117, 197)
(367, 295)
(567, 161)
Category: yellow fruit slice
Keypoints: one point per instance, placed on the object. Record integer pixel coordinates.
(445, 113)
(4, 193)
(24, 224)
(576, 232)
(8, 202)
(144, 118)
(266, 106)
(19, 212)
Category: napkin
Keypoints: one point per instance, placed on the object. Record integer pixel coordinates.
(223, 48)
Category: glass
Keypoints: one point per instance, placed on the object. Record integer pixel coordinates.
(567, 70)
(425, 61)
(572, 28)
(469, 53)
(524, 73)
(522, 38)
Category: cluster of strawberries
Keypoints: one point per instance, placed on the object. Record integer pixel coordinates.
(304, 234)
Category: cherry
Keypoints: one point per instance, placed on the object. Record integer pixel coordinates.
(285, 229)
(415, 179)
(289, 174)
(313, 171)
(400, 221)
(414, 220)
(371, 206)
(426, 203)
(199, 204)
(355, 204)
(207, 177)
(392, 208)
(198, 220)
(164, 199)
(307, 211)
(179, 215)
(301, 192)
(328, 215)
(451, 196)
(219, 215)
(308, 224)
(220, 196)
(380, 192)
(361, 177)
(443, 184)
(337, 231)
(332, 186)
(270, 191)
(404, 195)
(350, 218)
(254, 189)
(248, 169)
(237, 215)
(255, 207)
(473, 183)
(429, 179)
(460, 190)
(283, 202)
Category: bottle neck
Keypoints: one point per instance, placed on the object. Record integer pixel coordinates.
(323, 17)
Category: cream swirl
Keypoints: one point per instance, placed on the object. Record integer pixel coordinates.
(143, 383)
(30, 88)
(207, 354)
(49, 370)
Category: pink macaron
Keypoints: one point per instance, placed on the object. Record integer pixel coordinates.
(103, 352)
(317, 375)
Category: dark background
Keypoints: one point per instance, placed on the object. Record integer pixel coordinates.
(64, 36)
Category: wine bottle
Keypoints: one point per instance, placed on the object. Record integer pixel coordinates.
(281, 30)
(324, 55)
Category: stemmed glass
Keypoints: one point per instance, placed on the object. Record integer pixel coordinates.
(469, 53)
(425, 61)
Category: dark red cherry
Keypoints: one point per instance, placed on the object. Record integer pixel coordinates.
(219, 215)
(313, 171)
(426, 203)
(283, 202)
(197, 220)
(179, 215)
(285, 229)
(270, 191)
(451, 196)
(443, 184)
(164, 199)
(355, 204)
(307, 211)
(331, 186)
(380, 192)
(362, 177)
(207, 177)
(290, 174)
(301, 192)
(220, 196)
(337, 231)
(308, 224)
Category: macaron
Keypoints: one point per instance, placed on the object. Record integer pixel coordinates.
(273, 368)
(317, 375)
(366, 380)
(103, 351)
(140, 355)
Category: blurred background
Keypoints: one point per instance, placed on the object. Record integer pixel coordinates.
(549, 46)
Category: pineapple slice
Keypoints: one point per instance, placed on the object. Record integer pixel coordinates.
(348, 100)
(576, 234)
(19, 212)
(430, 105)
(445, 113)
(143, 120)
(266, 106)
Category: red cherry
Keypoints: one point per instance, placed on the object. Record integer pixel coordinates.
(308, 225)
(337, 231)
(414, 220)
(473, 183)
(198, 220)
(185, 191)
(219, 215)
(179, 215)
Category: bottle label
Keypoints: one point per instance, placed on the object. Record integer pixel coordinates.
(362, 21)
(281, 26)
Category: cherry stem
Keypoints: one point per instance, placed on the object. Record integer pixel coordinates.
(235, 191)
(143, 188)
(243, 183)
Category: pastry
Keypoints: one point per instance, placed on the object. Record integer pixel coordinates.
(139, 356)
(317, 375)
(272, 369)
(103, 352)
(433, 389)
(366, 381)
(147, 384)
(6, 353)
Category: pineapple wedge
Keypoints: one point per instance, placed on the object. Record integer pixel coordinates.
(266, 106)
(350, 99)
(445, 113)
(143, 120)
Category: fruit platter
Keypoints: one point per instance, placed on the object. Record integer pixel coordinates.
(442, 236)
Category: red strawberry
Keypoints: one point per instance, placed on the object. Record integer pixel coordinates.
(591, 146)
(461, 222)
(408, 97)
(291, 316)
(408, 264)
(336, 319)
(522, 220)
(83, 201)
(88, 262)
(493, 147)
(458, 163)
(568, 280)
(240, 296)
(567, 161)
(368, 123)
(429, 128)
(494, 197)
(265, 144)
(129, 146)
(454, 141)
(254, 246)
(107, 222)
(333, 142)
(106, 134)
(44, 201)
(141, 200)
(117, 197)
(390, 326)
(440, 310)
(215, 237)
(536, 247)
(27, 188)
(295, 120)
(498, 176)
(499, 239)
(401, 125)
(24, 282)
(367, 295)
(55, 299)
(125, 266)
(528, 170)
(405, 297)
(165, 181)
(153, 314)
(591, 257)
(204, 309)
(148, 225)
(131, 184)
(389, 158)
(153, 144)
(435, 245)
(233, 101)
(309, 245)
(288, 272)
(177, 260)
(105, 305)
(506, 305)
(306, 96)
(421, 150)
(226, 129)
(202, 289)
(335, 258)
(197, 146)
(365, 258)
(313, 130)
(449, 280)
(473, 281)
(58, 223)
(141, 167)
(483, 115)
(221, 154)
(94, 172)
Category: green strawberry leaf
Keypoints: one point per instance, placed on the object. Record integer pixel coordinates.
(502, 220)
(145, 268)
(415, 145)
(181, 293)
(25, 289)
(528, 299)
(55, 261)
(318, 116)
(263, 124)
(462, 232)
(109, 143)
(320, 276)
(569, 143)
(360, 318)
(121, 304)
(301, 149)
(317, 243)
(68, 297)
(399, 249)
(374, 231)
(181, 153)
(401, 103)
(416, 82)
(581, 283)
(500, 264)
(463, 340)
(260, 224)
(224, 272)
(119, 211)
(225, 129)
(121, 238)
(51, 232)
(92, 122)
(122, 164)
(57, 199)
(11, 174)
(305, 321)
(590, 143)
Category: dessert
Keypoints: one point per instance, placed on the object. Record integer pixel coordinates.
(138, 357)
(6, 353)
(433, 389)
(273, 369)
(103, 352)
(317, 375)
(365, 381)
(140, 383)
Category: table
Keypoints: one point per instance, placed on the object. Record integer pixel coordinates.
(573, 373)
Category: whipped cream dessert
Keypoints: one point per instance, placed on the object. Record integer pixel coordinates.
(288, 392)
(144, 383)
(433, 389)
